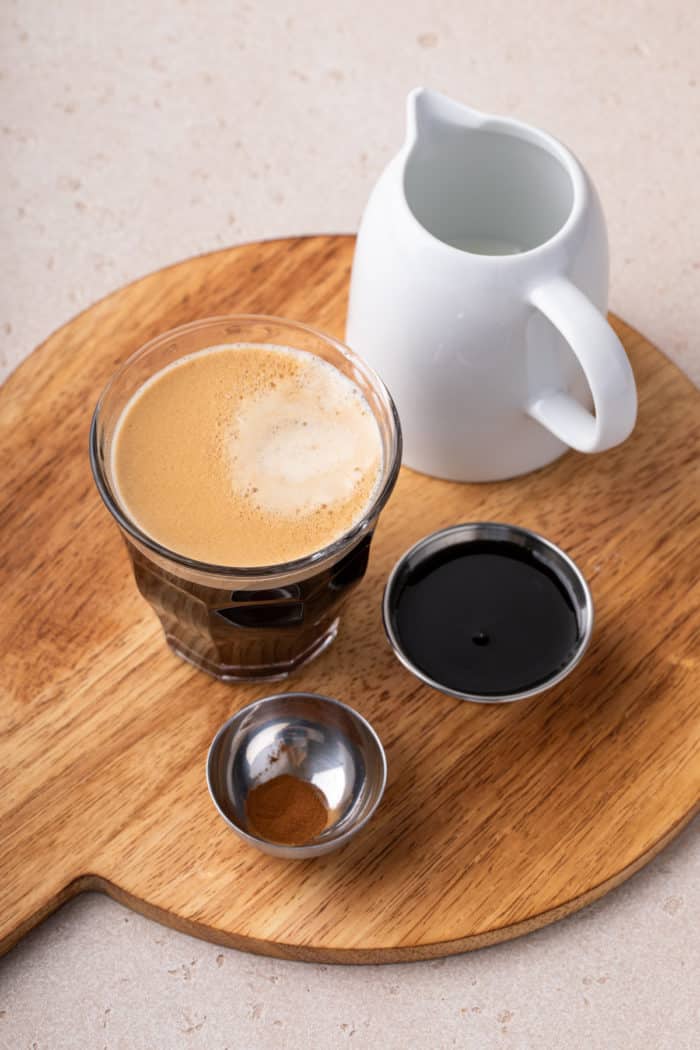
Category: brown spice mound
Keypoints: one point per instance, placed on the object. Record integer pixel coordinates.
(286, 810)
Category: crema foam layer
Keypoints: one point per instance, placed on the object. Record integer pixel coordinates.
(246, 455)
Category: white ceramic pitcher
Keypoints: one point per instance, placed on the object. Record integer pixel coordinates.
(479, 291)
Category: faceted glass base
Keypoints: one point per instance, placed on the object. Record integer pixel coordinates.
(271, 672)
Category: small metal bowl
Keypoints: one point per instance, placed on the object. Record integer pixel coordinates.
(304, 735)
(551, 558)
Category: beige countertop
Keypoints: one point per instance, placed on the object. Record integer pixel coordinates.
(137, 133)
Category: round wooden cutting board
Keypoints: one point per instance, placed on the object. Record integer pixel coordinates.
(496, 819)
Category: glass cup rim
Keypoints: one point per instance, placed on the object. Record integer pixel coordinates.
(324, 554)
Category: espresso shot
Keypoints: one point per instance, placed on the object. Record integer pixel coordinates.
(246, 462)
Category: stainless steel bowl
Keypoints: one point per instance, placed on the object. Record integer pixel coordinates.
(557, 562)
(313, 738)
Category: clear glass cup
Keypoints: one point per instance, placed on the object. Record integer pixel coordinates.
(242, 623)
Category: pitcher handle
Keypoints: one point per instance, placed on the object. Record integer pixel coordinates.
(605, 364)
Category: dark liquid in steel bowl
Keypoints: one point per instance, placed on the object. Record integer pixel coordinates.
(486, 618)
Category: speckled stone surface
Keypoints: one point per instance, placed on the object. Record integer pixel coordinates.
(133, 134)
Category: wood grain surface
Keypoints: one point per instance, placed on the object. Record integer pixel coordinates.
(496, 819)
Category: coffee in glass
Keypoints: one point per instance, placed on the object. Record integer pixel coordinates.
(246, 461)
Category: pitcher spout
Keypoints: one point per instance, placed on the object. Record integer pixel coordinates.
(428, 111)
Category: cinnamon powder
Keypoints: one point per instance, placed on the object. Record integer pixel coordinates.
(286, 810)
